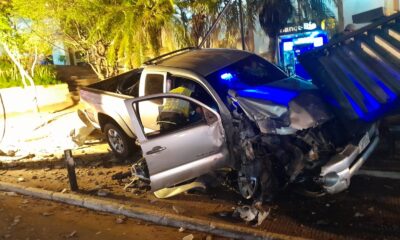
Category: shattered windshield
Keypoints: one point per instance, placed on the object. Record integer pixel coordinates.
(248, 72)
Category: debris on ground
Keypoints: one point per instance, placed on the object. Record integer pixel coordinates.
(37, 141)
(121, 219)
(21, 179)
(322, 222)
(357, 215)
(103, 192)
(251, 214)
(17, 219)
(178, 210)
(371, 209)
(181, 229)
(72, 234)
(173, 191)
(80, 134)
(46, 214)
(188, 237)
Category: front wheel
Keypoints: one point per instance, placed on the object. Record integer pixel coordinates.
(121, 144)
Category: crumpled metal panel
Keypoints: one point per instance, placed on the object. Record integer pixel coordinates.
(359, 74)
(308, 111)
(304, 111)
(267, 115)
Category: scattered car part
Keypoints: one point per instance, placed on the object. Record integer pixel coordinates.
(173, 191)
(251, 214)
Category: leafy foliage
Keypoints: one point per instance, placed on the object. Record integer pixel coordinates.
(111, 34)
(120, 34)
(10, 77)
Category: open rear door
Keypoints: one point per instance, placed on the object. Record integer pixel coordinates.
(359, 74)
(177, 151)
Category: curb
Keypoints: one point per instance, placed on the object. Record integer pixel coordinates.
(154, 216)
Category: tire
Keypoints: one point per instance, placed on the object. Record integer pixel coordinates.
(121, 144)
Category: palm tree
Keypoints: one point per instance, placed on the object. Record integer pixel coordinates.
(339, 5)
(274, 16)
(137, 27)
(316, 10)
(252, 8)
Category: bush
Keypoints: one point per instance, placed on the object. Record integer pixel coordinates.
(45, 75)
(10, 77)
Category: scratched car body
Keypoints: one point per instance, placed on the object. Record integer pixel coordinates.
(250, 121)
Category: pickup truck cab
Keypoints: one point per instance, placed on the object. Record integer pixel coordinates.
(247, 115)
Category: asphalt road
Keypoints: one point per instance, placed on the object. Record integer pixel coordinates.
(369, 209)
(23, 218)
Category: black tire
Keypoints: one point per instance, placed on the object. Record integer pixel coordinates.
(121, 144)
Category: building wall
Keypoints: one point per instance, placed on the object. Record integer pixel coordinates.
(352, 7)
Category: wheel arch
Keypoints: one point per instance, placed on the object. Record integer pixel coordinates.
(104, 119)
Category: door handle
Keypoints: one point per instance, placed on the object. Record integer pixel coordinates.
(156, 149)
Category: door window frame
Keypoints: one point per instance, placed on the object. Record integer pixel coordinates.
(144, 81)
(135, 116)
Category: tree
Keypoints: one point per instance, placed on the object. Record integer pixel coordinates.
(252, 9)
(18, 41)
(339, 5)
(197, 16)
(316, 10)
(274, 16)
(109, 33)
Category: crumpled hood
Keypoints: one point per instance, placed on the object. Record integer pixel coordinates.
(283, 106)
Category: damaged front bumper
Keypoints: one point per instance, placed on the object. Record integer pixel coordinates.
(336, 174)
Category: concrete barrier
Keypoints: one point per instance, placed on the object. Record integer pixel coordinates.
(18, 99)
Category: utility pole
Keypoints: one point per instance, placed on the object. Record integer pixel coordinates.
(241, 24)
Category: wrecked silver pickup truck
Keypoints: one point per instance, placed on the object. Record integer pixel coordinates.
(248, 120)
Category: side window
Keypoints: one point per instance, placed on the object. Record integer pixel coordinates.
(154, 85)
(173, 115)
(199, 93)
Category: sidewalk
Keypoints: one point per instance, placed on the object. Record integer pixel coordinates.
(38, 136)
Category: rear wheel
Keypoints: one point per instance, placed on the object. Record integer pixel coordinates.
(121, 144)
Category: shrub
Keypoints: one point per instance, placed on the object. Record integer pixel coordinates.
(10, 77)
(45, 75)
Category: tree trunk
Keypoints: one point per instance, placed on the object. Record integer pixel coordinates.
(23, 73)
(339, 4)
(34, 63)
(273, 41)
(250, 40)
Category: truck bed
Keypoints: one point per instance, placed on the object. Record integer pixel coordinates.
(126, 84)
